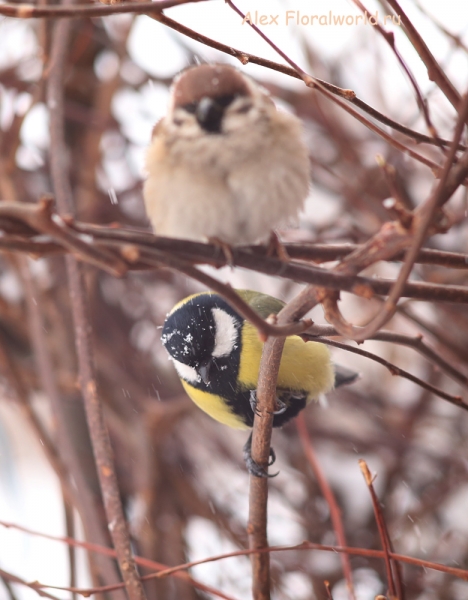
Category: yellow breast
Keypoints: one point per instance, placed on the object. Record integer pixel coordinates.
(305, 366)
(214, 406)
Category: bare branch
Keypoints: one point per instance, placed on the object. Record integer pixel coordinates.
(349, 95)
(425, 564)
(84, 500)
(416, 343)
(423, 219)
(15, 579)
(434, 70)
(390, 39)
(94, 411)
(250, 258)
(394, 370)
(30, 11)
(383, 532)
(325, 488)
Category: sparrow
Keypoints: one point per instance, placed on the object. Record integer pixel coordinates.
(224, 163)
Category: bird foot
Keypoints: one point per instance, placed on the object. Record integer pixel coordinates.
(276, 246)
(253, 404)
(253, 467)
(225, 248)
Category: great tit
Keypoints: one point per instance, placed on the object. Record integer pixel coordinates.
(217, 353)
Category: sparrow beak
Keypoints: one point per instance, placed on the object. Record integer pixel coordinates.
(209, 114)
(204, 371)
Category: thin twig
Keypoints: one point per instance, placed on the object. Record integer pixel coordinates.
(84, 501)
(160, 568)
(328, 590)
(422, 220)
(389, 37)
(312, 82)
(30, 11)
(94, 411)
(434, 70)
(335, 511)
(9, 589)
(444, 337)
(264, 328)
(394, 370)
(454, 571)
(261, 441)
(41, 217)
(71, 550)
(415, 342)
(457, 40)
(149, 8)
(349, 95)
(15, 579)
(383, 533)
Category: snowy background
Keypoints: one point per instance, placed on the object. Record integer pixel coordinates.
(134, 62)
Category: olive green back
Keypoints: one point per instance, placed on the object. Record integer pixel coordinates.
(262, 303)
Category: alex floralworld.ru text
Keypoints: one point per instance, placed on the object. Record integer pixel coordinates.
(295, 17)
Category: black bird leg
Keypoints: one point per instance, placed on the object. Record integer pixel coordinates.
(252, 467)
(253, 402)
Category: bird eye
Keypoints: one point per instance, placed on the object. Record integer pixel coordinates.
(243, 109)
(225, 101)
(191, 107)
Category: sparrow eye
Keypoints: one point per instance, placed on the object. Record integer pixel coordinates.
(191, 107)
(224, 101)
(243, 108)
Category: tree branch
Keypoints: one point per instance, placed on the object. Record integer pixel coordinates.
(94, 412)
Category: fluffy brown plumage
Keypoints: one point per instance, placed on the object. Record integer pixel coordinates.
(224, 162)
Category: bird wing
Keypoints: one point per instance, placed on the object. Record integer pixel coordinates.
(264, 304)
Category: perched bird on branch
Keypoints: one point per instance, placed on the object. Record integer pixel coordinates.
(217, 353)
(224, 164)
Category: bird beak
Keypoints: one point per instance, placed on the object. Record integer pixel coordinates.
(204, 371)
(209, 114)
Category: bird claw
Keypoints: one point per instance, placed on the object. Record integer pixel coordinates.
(272, 459)
(253, 467)
(282, 407)
(275, 246)
(225, 248)
(253, 404)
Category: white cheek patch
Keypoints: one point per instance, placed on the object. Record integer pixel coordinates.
(226, 333)
(186, 372)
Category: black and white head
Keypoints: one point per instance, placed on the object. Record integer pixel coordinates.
(215, 99)
(202, 335)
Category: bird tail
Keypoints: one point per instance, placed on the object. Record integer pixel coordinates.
(344, 376)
